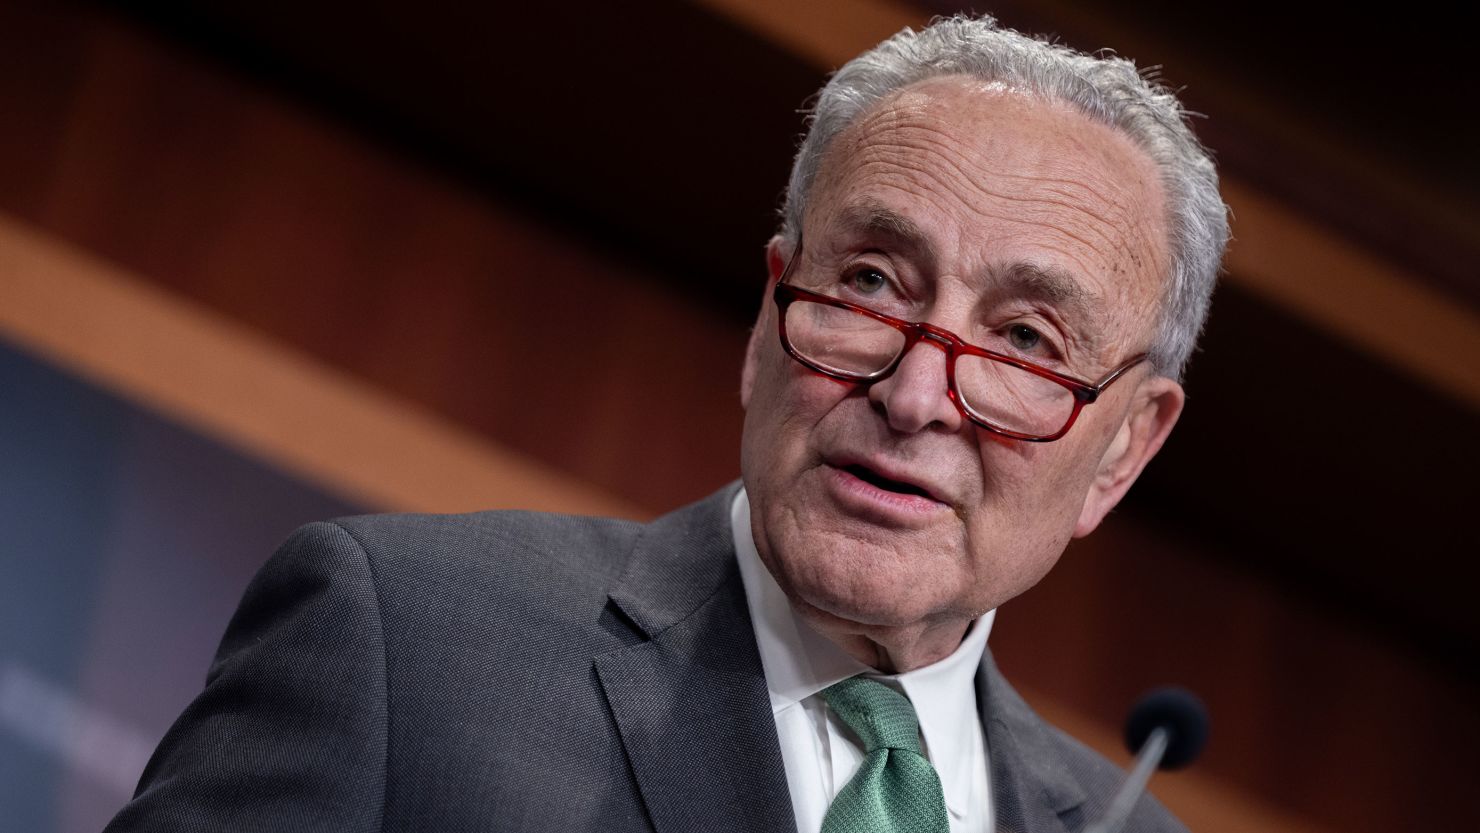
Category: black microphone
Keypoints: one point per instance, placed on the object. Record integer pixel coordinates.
(1167, 730)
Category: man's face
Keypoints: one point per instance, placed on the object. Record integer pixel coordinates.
(1021, 226)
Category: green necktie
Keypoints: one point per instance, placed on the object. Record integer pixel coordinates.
(895, 788)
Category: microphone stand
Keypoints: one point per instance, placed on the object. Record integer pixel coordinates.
(1135, 784)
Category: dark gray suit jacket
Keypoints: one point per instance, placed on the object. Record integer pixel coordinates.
(511, 671)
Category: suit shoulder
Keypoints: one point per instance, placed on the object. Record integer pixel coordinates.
(431, 571)
(496, 539)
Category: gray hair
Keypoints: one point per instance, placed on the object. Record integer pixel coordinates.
(1107, 89)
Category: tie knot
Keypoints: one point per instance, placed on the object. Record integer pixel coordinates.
(880, 716)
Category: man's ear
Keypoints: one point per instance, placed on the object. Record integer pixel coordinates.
(776, 254)
(1158, 402)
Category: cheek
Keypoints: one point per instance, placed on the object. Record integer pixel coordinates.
(1014, 544)
(786, 394)
(1032, 495)
(786, 403)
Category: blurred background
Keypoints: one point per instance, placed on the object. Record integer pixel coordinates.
(262, 263)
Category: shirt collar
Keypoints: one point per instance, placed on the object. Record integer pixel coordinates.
(799, 663)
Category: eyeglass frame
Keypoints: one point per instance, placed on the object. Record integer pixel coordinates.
(1085, 393)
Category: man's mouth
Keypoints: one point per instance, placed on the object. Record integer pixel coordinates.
(877, 480)
(879, 493)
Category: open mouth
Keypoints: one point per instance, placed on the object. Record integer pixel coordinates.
(877, 480)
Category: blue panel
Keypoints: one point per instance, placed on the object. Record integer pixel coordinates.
(125, 542)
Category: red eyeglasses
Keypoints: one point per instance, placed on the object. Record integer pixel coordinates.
(1003, 394)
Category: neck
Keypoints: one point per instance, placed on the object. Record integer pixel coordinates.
(892, 650)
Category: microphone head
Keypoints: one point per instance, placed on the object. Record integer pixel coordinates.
(1180, 713)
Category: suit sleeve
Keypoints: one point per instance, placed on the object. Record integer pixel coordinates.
(290, 731)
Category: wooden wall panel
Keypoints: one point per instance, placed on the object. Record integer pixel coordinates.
(242, 203)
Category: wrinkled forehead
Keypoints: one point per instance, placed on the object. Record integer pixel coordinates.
(988, 176)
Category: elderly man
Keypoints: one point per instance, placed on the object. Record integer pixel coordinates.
(995, 258)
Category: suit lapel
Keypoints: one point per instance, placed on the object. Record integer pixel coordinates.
(1033, 791)
(691, 704)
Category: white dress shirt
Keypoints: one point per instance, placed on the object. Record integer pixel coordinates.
(820, 754)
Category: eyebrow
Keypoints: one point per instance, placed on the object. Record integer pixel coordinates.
(874, 219)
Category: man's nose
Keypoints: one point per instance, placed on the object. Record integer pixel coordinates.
(916, 394)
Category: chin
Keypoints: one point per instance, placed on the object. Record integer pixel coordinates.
(860, 586)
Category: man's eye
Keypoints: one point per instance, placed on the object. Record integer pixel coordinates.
(1024, 338)
(868, 281)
